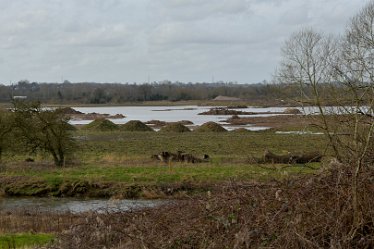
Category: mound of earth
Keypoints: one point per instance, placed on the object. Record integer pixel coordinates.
(135, 125)
(237, 107)
(185, 122)
(77, 115)
(175, 127)
(210, 127)
(292, 111)
(94, 115)
(159, 123)
(101, 124)
(68, 111)
(224, 111)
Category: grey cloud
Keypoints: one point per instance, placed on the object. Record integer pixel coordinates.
(125, 40)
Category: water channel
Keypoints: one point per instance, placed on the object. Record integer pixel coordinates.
(75, 205)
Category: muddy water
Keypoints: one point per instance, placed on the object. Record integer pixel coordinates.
(75, 205)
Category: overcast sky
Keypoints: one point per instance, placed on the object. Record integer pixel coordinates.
(137, 40)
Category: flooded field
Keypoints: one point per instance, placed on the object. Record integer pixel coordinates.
(173, 114)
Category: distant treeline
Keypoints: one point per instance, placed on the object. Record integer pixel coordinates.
(115, 93)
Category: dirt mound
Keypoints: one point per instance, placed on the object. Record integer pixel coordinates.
(175, 127)
(101, 124)
(225, 111)
(210, 127)
(185, 122)
(135, 125)
(68, 110)
(292, 111)
(159, 123)
(237, 107)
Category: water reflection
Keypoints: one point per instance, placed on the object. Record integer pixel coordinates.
(75, 205)
(173, 114)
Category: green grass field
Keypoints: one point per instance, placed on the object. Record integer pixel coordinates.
(96, 145)
(125, 158)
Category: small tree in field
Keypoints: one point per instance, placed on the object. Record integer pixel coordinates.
(46, 130)
(6, 127)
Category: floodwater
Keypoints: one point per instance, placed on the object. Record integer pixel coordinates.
(75, 205)
(174, 114)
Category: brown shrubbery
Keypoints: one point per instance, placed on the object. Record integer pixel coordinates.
(309, 212)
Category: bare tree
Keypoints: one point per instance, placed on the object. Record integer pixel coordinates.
(355, 72)
(308, 61)
(346, 68)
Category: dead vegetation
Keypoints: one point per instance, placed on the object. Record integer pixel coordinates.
(289, 158)
(307, 212)
(180, 156)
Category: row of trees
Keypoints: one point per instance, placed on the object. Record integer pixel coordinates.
(29, 128)
(96, 93)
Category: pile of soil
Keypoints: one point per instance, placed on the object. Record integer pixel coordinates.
(210, 127)
(175, 127)
(277, 122)
(237, 107)
(135, 125)
(101, 124)
(77, 115)
(185, 122)
(292, 111)
(225, 111)
(95, 115)
(68, 111)
(159, 123)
